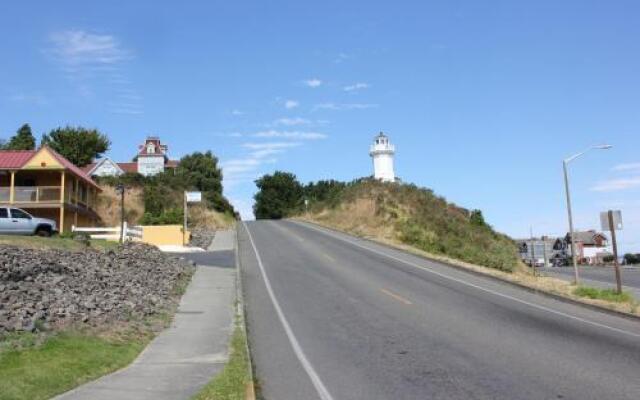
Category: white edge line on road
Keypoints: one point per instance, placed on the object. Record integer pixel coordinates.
(323, 392)
(506, 296)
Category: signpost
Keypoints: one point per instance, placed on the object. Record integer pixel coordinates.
(189, 197)
(612, 221)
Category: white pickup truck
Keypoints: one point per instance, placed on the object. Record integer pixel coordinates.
(14, 221)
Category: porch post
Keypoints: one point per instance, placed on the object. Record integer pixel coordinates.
(62, 192)
(61, 227)
(11, 190)
(62, 187)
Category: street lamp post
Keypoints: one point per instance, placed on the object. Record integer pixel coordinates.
(565, 164)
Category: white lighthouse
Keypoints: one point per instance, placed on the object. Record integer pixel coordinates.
(382, 153)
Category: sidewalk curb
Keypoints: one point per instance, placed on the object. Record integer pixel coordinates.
(241, 312)
(493, 277)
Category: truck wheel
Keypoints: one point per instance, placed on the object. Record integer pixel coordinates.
(43, 232)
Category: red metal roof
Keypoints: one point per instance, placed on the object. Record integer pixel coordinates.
(128, 166)
(16, 159)
(11, 159)
(87, 168)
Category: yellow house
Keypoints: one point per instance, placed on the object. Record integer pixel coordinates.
(47, 185)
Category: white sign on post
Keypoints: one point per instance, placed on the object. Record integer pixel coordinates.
(617, 220)
(194, 197)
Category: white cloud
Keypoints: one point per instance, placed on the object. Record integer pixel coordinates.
(246, 169)
(356, 86)
(86, 57)
(35, 98)
(341, 57)
(289, 104)
(313, 83)
(77, 47)
(270, 145)
(237, 113)
(627, 167)
(344, 106)
(617, 184)
(290, 135)
(291, 121)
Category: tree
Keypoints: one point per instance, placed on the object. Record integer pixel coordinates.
(200, 171)
(79, 145)
(279, 195)
(477, 218)
(22, 140)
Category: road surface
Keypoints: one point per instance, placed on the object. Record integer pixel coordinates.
(603, 277)
(335, 317)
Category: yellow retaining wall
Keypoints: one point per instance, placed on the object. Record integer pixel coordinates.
(163, 234)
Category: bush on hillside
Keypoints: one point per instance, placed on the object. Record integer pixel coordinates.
(416, 216)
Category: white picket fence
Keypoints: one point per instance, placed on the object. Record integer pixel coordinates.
(133, 233)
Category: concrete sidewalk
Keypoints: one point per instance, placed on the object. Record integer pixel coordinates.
(184, 357)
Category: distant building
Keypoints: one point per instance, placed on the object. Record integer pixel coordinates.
(544, 251)
(151, 159)
(382, 153)
(591, 248)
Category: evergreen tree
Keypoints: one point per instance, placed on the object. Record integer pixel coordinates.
(22, 140)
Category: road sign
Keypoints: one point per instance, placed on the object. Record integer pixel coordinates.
(193, 197)
(617, 220)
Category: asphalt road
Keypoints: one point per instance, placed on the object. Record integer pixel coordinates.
(630, 275)
(334, 317)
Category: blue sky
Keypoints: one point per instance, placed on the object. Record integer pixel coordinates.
(482, 99)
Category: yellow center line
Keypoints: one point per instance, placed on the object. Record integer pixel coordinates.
(396, 296)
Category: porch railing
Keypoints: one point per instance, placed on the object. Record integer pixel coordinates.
(31, 194)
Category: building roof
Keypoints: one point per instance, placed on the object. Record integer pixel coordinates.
(172, 163)
(14, 159)
(129, 167)
(159, 149)
(587, 237)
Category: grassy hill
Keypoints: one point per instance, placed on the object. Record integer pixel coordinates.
(414, 216)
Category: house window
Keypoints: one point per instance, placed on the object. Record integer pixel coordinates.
(151, 148)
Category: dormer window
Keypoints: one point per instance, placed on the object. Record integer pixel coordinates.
(151, 148)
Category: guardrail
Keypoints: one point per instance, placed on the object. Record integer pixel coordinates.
(133, 233)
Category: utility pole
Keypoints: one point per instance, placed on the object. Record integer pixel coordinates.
(533, 252)
(571, 235)
(565, 163)
(544, 251)
(616, 265)
(120, 189)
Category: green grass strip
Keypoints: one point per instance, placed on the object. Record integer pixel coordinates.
(231, 383)
(603, 294)
(61, 363)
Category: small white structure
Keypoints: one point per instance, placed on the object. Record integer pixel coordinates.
(382, 153)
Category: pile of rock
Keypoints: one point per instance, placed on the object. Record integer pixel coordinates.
(53, 288)
(201, 237)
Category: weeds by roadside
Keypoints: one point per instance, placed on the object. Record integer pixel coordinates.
(603, 294)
